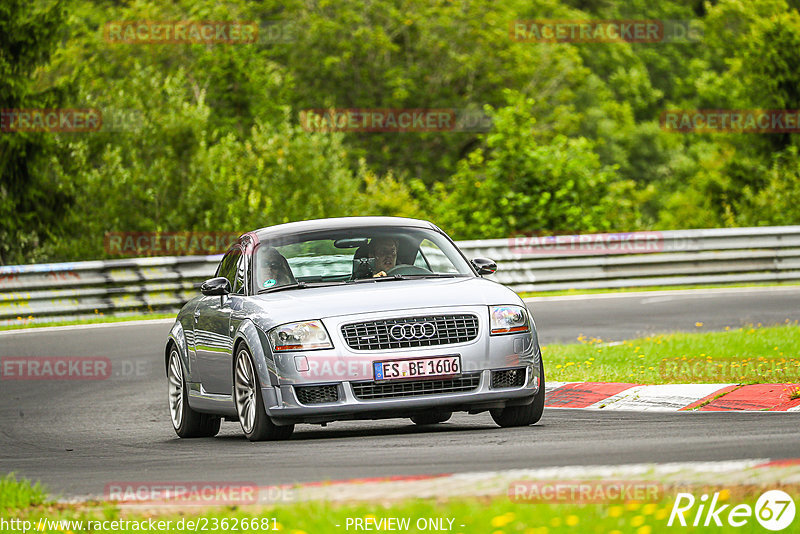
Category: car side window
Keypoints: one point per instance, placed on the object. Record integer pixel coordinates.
(239, 283)
(229, 264)
(430, 256)
(420, 261)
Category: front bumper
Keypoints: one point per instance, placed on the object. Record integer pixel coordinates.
(350, 372)
(286, 408)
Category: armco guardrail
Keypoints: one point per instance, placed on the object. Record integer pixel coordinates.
(675, 257)
(58, 291)
(47, 292)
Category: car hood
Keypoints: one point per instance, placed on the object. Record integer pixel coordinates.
(323, 302)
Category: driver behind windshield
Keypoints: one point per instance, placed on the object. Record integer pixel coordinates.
(273, 269)
(384, 250)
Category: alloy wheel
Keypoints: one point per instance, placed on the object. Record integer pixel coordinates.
(175, 385)
(245, 391)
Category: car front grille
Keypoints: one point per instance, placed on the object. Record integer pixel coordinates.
(413, 388)
(317, 394)
(508, 378)
(421, 331)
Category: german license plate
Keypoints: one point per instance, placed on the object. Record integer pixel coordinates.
(418, 368)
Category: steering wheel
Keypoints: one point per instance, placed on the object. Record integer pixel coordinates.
(407, 269)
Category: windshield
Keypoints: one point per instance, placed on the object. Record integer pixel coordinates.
(349, 256)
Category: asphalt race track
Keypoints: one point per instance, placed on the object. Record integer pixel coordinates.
(78, 436)
(625, 316)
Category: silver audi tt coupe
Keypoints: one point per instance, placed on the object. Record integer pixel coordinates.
(351, 318)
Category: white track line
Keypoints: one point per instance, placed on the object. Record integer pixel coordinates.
(658, 398)
(43, 329)
(691, 293)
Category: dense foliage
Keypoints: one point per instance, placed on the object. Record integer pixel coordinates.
(209, 137)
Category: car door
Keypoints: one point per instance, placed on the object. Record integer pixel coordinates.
(213, 329)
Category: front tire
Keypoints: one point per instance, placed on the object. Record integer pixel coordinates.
(523, 415)
(186, 422)
(256, 424)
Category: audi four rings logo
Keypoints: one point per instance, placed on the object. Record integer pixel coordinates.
(409, 331)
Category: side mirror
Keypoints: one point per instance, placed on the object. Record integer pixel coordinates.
(484, 266)
(216, 286)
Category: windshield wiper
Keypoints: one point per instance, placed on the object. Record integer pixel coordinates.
(296, 285)
(378, 279)
(300, 285)
(443, 275)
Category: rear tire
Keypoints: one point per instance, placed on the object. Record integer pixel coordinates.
(256, 424)
(431, 418)
(186, 422)
(523, 415)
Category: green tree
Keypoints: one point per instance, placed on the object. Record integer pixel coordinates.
(32, 200)
(515, 184)
(749, 63)
(420, 54)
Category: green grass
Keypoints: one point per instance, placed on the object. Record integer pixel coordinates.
(94, 320)
(567, 292)
(743, 355)
(19, 494)
(497, 515)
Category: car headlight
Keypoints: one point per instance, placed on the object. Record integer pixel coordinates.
(508, 319)
(304, 335)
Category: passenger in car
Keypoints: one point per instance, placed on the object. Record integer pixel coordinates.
(273, 270)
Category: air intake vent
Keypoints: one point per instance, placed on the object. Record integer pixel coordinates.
(508, 378)
(413, 388)
(317, 394)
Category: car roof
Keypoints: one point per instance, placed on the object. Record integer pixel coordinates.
(338, 223)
